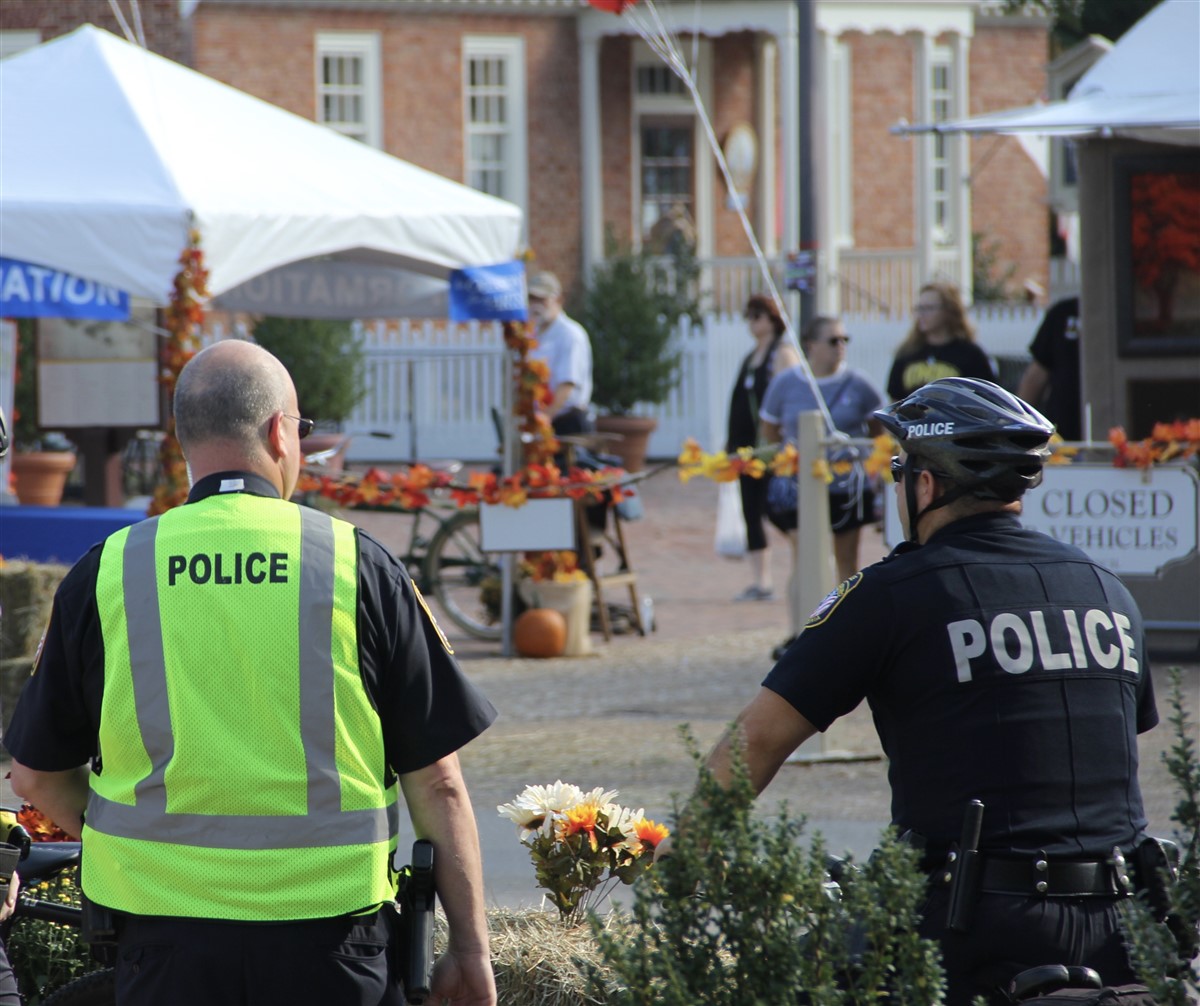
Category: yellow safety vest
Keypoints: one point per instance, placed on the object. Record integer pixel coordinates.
(242, 763)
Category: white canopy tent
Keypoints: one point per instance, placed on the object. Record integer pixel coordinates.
(1146, 88)
(111, 154)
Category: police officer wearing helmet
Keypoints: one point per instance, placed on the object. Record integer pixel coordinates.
(248, 679)
(1000, 666)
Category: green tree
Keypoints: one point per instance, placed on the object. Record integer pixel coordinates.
(1075, 20)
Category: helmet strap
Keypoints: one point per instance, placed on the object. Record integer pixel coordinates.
(910, 498)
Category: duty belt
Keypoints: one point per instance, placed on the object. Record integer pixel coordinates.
(1039, 875)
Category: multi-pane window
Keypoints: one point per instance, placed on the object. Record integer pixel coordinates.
(941, 101)
(494, 116)
(348, 85)
(666, 170)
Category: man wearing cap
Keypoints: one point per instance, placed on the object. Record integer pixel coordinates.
(565, 348)
(1001, 666)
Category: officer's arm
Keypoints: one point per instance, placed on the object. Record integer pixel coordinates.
(61, 796)
(1033, 383)
(767, 731)
(440, 808)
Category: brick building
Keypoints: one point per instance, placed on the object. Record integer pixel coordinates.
(565, 110)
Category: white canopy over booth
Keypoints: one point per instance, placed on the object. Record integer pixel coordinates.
(112, 153)
(1146, 88)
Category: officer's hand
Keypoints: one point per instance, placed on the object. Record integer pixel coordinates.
(463, 979)
(9, 904)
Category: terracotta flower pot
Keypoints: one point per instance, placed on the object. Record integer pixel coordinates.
(635, 436)
(41, 476)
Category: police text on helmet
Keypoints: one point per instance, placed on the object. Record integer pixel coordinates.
(928, 430)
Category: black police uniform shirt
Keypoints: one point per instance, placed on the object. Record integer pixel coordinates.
(999, 665)
(427, 706)
(957, 358)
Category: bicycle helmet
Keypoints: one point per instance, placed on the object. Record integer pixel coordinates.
(973, 434)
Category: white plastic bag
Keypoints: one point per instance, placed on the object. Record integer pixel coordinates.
(730, 537)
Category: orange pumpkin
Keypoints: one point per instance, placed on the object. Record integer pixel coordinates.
(540, 632)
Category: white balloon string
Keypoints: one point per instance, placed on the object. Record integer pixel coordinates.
(661, 40)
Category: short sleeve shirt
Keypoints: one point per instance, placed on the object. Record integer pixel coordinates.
(958, 358)
(1056, 347)
(999, 665)
(567, 351)
(427, 707)
(850, 395)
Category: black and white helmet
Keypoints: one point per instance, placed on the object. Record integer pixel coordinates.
(974, 434)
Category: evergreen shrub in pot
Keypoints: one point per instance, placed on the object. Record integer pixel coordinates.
(328, 366)
(630, 307)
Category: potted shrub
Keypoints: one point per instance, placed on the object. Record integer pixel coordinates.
(630, 307)
(328, 365)
(41, 461)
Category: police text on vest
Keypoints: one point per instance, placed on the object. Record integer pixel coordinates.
(237, 568)
(1018, 642)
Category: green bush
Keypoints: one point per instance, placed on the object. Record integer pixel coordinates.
(1173, 980)
(742, 913)
(327, 363)
(630, 308)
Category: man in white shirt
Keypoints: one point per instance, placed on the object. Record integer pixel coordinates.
(567, 351)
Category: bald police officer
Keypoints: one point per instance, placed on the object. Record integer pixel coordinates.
(1000, 666)
(248, 679)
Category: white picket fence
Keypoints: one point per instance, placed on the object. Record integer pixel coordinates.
(433, 386)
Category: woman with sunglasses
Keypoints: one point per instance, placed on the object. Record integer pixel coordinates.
(851, 399)
(772, 355)
(941, 343)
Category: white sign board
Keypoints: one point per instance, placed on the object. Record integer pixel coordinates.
(536, 526)
(1134, 522)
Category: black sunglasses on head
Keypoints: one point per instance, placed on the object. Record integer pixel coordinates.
(305, 426)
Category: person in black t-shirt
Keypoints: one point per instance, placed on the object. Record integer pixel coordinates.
(941, 343)
(1052, 377)
(1000, 665)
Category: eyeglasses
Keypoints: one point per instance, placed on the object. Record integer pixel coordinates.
(305, 425)
(927, 308)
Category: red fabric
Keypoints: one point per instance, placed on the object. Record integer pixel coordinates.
(612, 6)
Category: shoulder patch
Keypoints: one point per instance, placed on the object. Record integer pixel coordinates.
(37, 656)
(832, 600)
(433, 621)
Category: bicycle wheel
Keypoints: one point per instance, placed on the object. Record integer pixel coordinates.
(455, 570)
(96, 989)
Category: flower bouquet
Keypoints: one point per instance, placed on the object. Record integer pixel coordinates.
(581, 844)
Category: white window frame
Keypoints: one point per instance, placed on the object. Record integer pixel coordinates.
(510, 50)
(363, 46)
(674, 106)
(942, 148)
(12, 42)
(839, 119)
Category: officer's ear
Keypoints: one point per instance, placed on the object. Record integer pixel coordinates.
(278, 444)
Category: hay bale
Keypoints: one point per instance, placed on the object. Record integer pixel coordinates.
(26, 591)
(538, 959)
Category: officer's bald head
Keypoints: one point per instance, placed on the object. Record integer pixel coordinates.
(227, 393)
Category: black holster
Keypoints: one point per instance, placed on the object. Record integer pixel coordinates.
(963, 867)
(98, 929)
(413, 935)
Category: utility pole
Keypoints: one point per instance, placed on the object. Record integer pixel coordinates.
(806, 103)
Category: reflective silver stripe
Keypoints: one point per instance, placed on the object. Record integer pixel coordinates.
(243, 831)
(147, 664)
(318, 728)
(325, 823)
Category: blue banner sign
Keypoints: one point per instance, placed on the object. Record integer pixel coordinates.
(36, 291)
(489, 293)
